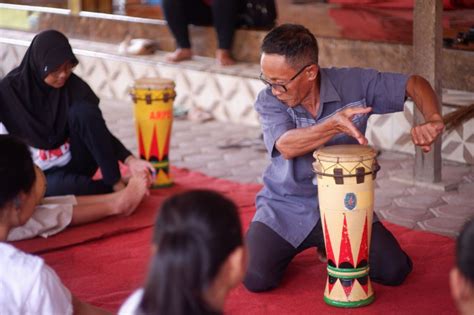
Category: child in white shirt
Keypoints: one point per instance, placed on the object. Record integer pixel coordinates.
(27, 284)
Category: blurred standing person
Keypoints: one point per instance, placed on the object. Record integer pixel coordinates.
(223, 14)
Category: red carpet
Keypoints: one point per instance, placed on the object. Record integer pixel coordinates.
(105, 271)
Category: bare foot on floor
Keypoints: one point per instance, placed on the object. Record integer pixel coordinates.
(132, 195)
(224, 58)
(180, 54)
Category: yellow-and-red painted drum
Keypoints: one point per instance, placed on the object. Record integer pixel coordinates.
(345, 176)
(153, 98)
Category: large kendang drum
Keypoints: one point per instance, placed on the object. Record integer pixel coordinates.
(153, 98)
(345, 177)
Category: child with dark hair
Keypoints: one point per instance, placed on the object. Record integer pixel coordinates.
(462, 275)
(28, 285)
(199, 257)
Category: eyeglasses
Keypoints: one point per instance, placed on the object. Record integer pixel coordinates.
(281, 87)
(66, 67)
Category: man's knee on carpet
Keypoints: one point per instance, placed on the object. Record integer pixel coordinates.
(269, 255)
(393, 272)
(389, 264)
(259, 282)
(262, 274)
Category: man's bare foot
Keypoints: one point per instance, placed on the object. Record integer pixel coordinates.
(180, 54)
(224, 58)
(130, 197)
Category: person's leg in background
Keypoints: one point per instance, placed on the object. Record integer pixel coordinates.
(179, 14)
(225, 14)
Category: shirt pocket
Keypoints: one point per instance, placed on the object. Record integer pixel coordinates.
(301, 119)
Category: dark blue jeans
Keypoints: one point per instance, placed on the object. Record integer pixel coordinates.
(270, 254)
(92, 147)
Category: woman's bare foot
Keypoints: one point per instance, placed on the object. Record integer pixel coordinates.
(130, 197)
(224, 58)
(180, 54)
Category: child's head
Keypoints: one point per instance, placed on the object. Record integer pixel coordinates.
(199, 250)
(462, 275)
(17, 181)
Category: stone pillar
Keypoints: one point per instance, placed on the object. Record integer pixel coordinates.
(427, 49)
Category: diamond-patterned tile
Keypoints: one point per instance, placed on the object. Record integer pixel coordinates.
(240, 101)
(388, 214)
(409, 214)
(382, 202)
(467, 187)
(418, 201)
(453, 211)
(459, 199)
(440, 225)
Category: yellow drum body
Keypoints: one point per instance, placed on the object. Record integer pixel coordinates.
(153, 98)
(345, 176)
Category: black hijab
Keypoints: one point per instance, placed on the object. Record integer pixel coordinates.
(33, 110)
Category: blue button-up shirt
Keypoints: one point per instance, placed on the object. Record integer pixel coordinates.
(288, 202)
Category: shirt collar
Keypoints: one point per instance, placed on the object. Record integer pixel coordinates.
(327, 94)
(327, 91)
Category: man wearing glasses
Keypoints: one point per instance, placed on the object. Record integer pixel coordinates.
(302, 108)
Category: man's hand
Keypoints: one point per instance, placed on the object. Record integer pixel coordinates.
(299, 141)
(342, 121)
(426, 101)
(425, 134)
(138, 166)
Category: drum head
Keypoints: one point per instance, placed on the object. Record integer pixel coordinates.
(345, 153)
(154, 84)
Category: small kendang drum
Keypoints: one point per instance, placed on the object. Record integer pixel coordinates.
(345, 176)
(153, 98)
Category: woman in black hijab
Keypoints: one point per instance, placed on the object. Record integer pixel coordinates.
(57, 114)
